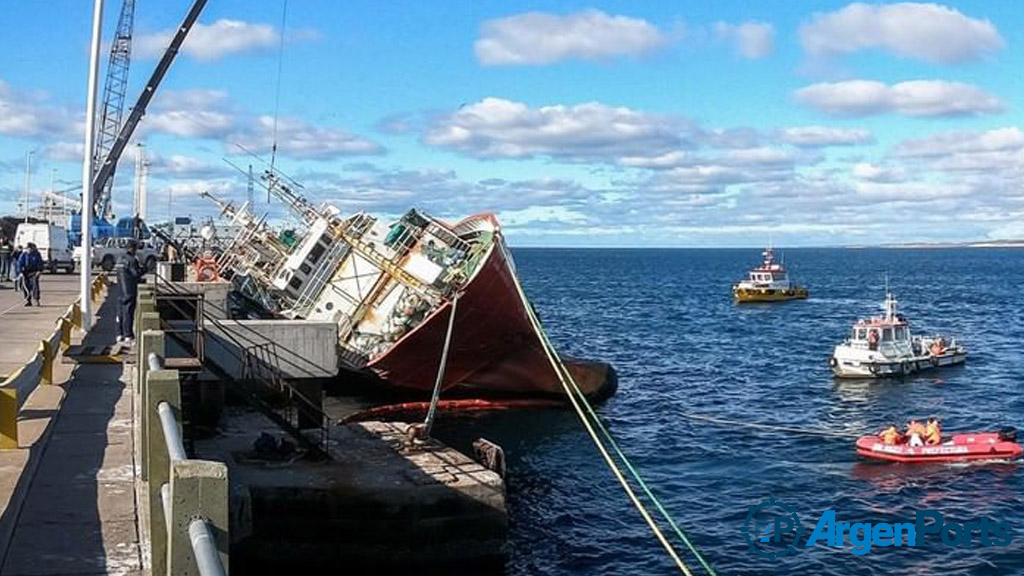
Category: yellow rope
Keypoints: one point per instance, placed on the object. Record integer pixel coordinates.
(555, 363)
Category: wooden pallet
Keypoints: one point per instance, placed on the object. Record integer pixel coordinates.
(108, 354)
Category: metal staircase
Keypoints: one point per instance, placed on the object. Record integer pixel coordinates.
(261, 385)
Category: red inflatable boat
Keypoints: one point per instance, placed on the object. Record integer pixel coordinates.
(956, 448)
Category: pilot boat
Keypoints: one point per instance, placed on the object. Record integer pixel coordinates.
(769, 282)
(883, 346)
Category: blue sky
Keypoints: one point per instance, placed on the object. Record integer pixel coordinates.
(579, 124)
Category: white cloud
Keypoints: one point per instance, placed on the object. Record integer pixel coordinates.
(752, 40)
(495, 127)
(193, 113)
(929, 32)
(820, 136)
(946, 143)
(210, 114)
(212, 41)
(875, 173)
(922, 98)
(298, 139)
(538, 38)
(31, 115)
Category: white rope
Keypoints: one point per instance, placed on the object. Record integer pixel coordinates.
(593, 435)
(428, 423)
(773, 427)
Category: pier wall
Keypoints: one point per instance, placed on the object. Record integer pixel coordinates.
(305, 349)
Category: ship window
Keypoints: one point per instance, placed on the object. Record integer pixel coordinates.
(886, 334)
(295, 283)
(315, 254)
(901, 333)
(861, 334)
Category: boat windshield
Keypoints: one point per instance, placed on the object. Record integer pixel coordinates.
(859, 334)
(900, 333)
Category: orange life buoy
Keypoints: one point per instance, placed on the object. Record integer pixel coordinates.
(206, 270)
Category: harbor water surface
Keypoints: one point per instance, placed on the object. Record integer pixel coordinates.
(666, 320)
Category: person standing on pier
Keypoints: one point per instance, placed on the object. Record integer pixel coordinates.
(30, 263)
(129, 274)
(6, 255)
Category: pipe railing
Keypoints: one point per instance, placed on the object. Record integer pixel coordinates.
(188, 498)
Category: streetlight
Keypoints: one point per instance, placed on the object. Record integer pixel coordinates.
(28, 179)
(87, 167)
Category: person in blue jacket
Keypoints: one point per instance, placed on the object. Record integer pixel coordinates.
(30, 263)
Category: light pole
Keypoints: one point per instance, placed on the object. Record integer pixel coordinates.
(28, 179)
(87, 167)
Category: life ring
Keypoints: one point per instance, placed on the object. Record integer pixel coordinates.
(832, 361)
(206, 270)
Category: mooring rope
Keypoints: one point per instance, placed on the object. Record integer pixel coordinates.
(814, 431)
(428, 422)
(576, 398)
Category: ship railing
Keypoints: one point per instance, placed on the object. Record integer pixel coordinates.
(325, 270)
(188, 517)
(352, 358)
(442, 232)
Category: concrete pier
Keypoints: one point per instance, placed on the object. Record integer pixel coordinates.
(75, 502)
(380, 503)
(68, 491)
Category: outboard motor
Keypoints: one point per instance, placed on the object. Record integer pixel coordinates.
(1008, 434)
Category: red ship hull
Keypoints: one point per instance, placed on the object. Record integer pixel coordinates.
(494, 347)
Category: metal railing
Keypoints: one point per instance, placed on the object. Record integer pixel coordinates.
(252, 384)
(187, 512)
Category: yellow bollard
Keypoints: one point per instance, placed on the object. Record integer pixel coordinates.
(76, 315)
(8, 419)
(46, 372)
(65, 332)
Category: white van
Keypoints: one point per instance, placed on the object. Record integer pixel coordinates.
(52, 242)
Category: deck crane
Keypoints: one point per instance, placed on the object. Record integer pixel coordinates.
(105, 169)
(114, 89)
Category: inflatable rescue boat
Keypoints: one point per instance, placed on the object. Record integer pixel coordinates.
(1000, 445)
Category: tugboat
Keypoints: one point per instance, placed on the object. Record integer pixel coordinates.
(882, 346)
(768, 283)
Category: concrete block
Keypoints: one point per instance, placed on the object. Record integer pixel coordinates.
(305, 349)
(152, 341)
(199, 489)
(163, 386)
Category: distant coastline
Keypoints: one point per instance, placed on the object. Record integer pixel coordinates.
(974, 244)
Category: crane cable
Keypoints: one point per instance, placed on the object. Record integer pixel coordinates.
(577, 398)
(277, 90)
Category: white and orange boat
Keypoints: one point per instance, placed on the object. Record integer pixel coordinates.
(882, 346)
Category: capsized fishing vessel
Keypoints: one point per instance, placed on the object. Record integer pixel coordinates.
(393, 289)
(769, 282)
(1001, 445)
(883, 346)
